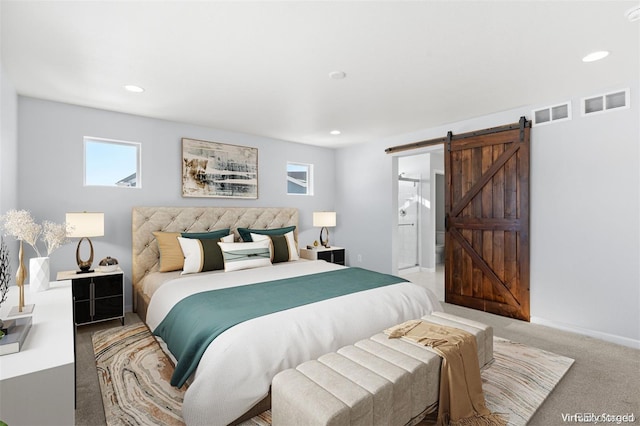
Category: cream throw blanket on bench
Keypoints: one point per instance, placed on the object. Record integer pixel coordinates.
(461, 399)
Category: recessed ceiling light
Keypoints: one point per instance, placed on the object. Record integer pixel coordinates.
(337, 75)
(595, 56)
(633, 14)
(335, 132)
(134, 88)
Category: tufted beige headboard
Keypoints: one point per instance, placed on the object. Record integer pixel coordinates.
(146, 220)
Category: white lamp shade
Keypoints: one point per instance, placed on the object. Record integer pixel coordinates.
(325, 219)
(85, 224)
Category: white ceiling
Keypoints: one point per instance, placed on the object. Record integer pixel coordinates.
(263, 67)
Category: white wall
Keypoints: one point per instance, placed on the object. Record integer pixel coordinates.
(8, 143)
(585, 214)
(8, 154)
(50, 176)
(585, 223)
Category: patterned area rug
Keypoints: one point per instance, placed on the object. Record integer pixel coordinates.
(520, 378)
(134, 378)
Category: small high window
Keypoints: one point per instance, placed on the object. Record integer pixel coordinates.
(299, 179)
(605, 102)
(552, 114)
(111, 163)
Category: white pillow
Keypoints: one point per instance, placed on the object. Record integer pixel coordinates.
(202, 255)
(228, 239)
(291, 243)
(246, 255)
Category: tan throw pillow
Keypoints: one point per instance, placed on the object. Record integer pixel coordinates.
(171, 257)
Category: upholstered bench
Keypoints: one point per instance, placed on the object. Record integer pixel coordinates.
(376, 381)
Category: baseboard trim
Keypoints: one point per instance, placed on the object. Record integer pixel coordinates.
(613, 338)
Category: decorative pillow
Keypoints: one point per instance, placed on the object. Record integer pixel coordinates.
(217, 234)
(245, 233)
(245, 255)
(171, 257)
(283, 247)
(202, 255)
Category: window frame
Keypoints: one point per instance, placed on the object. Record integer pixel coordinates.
(138, 146)
(309, 171)
(605, 104)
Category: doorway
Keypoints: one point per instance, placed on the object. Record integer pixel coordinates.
(417, 202)
(409, 211)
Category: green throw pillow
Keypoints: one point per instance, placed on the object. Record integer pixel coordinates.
(245, 233)
(216, 235)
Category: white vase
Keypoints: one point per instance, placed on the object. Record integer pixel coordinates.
(39, 274)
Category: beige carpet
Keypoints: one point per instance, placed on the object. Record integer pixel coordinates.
(134, 378)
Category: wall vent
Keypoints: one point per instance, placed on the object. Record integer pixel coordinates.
(597, 104)
(552, 114)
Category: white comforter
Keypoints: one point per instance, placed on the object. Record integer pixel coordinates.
(236, 370)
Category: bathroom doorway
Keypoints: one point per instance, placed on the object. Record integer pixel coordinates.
(420, 196)
(409, 195)
(413, 212)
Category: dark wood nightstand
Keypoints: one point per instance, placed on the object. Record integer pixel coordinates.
(97, 296)
(331, 254)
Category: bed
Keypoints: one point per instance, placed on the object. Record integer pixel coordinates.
(232, 378)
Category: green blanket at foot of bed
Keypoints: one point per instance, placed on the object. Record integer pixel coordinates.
(197, 320)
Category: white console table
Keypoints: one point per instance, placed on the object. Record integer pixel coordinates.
(37, 384)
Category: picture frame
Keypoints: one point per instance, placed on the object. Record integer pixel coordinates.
(219, 170)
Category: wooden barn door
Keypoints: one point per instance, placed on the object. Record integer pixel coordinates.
(487, 220)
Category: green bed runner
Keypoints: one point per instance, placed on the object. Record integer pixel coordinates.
(197, 320)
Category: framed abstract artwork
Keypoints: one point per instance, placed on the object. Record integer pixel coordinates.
(213, 169)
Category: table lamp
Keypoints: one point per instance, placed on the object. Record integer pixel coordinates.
(324, 220)
(84, 225)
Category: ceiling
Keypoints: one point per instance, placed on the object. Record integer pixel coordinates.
(263, 67)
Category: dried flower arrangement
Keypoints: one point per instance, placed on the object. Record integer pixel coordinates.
(20, 225)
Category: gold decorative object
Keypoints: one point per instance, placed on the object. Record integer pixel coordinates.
(21, 275)
(22, 309)
(84, 265)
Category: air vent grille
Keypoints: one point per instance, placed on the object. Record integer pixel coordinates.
(552, 114)
(597, 104)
